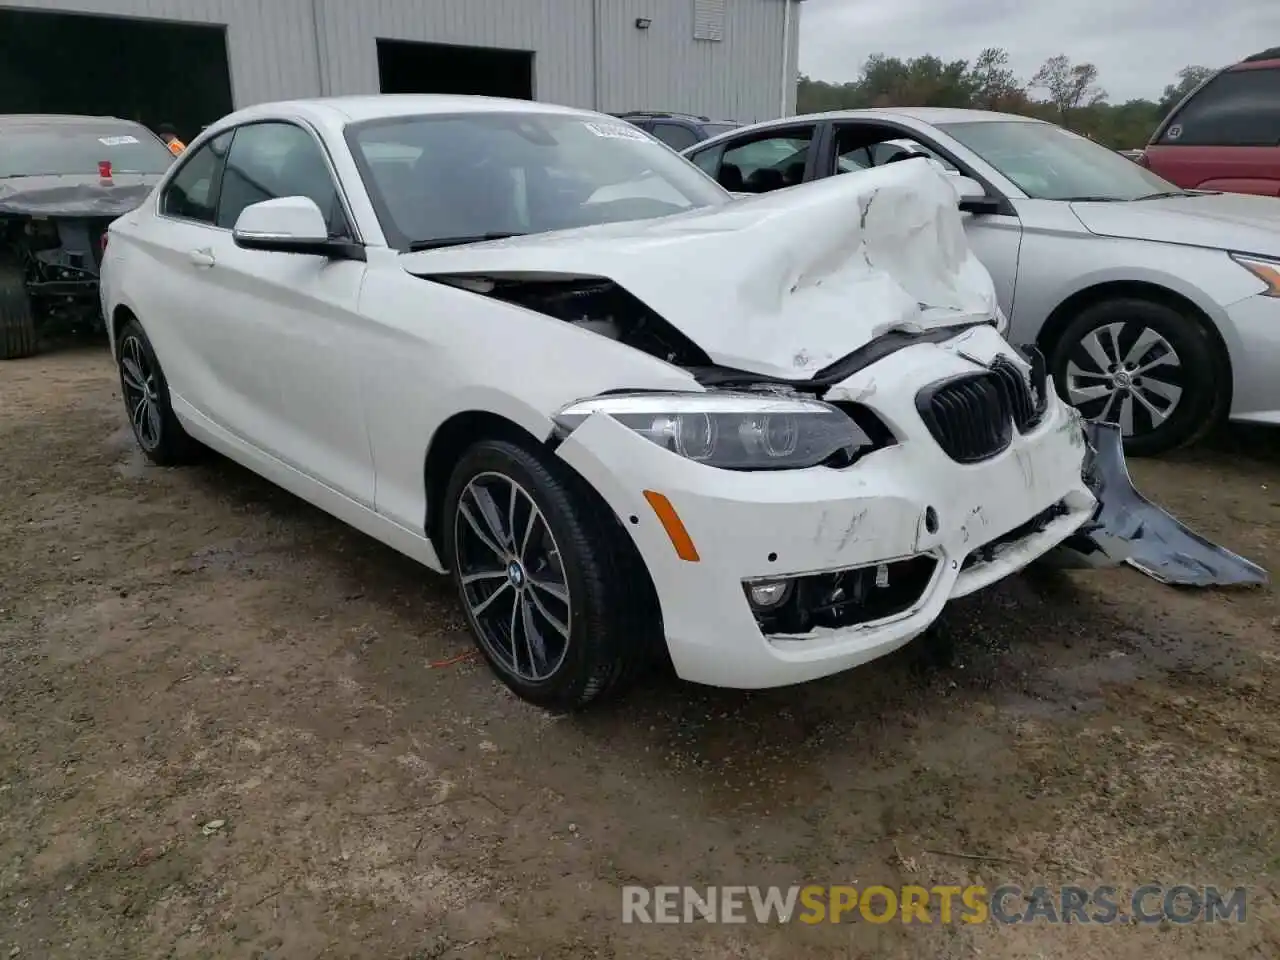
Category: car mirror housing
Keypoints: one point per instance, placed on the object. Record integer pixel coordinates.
(972, 196)
(291, 225)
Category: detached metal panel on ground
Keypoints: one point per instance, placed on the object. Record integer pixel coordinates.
(588, 53)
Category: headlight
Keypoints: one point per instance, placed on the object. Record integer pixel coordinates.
(1268, 271)
(733, 431)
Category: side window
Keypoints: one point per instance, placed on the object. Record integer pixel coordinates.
(859, 146)
(766, 163)
(708, 161)
(854, 158)
(675, 135)
(889, 150)
(1240, 108)
(192, 194)
(271, 160)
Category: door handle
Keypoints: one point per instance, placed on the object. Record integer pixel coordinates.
(203, 257)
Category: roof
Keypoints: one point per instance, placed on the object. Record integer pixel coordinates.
(1271, 53)
(55, 120)
(930, 115)
(359, 108)
(934, 115)
(669, 115)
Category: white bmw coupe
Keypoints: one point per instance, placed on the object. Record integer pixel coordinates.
(533, 347)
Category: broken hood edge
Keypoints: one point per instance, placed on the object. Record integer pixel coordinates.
(782, 284)
(75, 196)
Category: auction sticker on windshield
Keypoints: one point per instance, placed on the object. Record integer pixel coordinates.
(616, 131)
(117, 141)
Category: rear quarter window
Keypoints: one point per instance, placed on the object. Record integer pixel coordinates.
(1239, 108)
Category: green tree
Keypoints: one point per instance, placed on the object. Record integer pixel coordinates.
(1189, 78)
(993, 85)
(1069, 86)
(987, 83)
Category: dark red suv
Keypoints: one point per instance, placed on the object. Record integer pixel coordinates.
(1225, 134)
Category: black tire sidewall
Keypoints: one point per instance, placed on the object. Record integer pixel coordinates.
(174, 446)
(17, 316)
(1201, 399)
(587, 661)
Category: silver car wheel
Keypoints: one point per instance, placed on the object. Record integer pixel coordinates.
(141, 394)
(1126, 374)
(512, 577)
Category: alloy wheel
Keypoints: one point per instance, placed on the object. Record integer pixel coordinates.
(1127, 374)
(512, 577)
(140, 384)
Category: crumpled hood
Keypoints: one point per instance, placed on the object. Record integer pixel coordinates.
(75, 196)
(781, 284)
(1225, 221)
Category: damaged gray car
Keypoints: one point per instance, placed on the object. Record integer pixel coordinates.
(63, 179)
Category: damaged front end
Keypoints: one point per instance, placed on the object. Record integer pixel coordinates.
(53, 230)
(59, 259)
(1128, 528)
(799, 293)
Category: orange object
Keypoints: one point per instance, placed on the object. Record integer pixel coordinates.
(176, 146)
(674, 526)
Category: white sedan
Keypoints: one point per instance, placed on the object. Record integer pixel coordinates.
(532, 347)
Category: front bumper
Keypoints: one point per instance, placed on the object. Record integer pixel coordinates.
(906, 501)
(1255, 387)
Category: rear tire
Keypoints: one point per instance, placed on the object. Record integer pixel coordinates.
(17, 320)
(146, 401)
(554, 592)
(1147, 361)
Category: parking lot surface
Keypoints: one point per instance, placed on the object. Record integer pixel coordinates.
(231, 727)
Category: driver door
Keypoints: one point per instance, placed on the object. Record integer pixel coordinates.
(288, 337)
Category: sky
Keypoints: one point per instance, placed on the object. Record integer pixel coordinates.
(1137, 45)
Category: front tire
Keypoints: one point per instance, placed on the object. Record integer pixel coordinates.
(146, 401)
(17, 319)
(548, 581)
(1142, 365)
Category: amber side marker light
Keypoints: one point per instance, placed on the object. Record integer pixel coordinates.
(674, 526)
(1265, 270)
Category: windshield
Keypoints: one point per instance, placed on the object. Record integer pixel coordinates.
(715, 129)
(77, 151)
(1050, 163)
(434, 178)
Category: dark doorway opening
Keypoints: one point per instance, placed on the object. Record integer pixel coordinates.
(150, 71)
(405, 66)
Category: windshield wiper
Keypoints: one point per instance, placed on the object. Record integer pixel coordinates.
(1163, 194)
(439, 242)
(1088, 199)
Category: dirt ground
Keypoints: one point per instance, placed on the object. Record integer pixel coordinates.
(230, 727)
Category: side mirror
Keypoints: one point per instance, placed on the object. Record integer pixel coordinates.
(973, 196)
(291, 225)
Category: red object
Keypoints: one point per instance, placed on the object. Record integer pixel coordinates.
(460, 658)
(105, 237)
(1225, 135)
(104, 169)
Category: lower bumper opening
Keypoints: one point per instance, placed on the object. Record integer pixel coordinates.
(843, 598)
(987, 552)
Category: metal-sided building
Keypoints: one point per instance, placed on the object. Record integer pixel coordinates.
(189, 61)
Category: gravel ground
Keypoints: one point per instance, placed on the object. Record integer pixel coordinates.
(230, 727)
